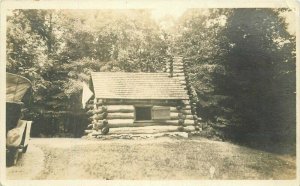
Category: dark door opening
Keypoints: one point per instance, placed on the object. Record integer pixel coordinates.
(142, 113)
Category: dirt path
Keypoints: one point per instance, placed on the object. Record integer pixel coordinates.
(29, 165)
(162, 158)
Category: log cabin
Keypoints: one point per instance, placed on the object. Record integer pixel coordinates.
(123, 99)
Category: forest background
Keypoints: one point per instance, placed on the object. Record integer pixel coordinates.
(241, 62)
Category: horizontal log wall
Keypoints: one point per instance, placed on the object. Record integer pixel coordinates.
(120, 122)
(174, 115)
(187, 117)
(116, 113)
(173, 109)
(189, 122)
(187, 112)
(141, 102)
(120, 115)
(128, 123)
(120, 108)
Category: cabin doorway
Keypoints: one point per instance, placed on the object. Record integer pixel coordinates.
(143, 113)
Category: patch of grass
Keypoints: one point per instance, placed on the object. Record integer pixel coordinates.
(165, 159)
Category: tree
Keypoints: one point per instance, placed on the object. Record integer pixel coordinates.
(28, 50)
(243, 67)
(260, 68)
(58, 49)
(203, 45)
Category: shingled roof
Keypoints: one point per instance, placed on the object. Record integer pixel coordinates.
(123, 85)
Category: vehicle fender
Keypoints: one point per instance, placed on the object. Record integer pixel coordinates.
(14, 136)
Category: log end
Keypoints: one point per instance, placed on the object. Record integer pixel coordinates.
(180, 121)
(180, 128)
(105, 130)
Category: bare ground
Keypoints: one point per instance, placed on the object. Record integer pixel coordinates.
(161, 158)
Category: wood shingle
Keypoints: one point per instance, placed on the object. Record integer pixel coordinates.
(123, 85)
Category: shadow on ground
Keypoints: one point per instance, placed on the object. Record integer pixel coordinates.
(273, 142)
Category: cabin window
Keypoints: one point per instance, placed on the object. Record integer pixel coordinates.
(142, 113)
(160, 113)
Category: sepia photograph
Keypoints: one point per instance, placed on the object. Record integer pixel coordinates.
(163, 93)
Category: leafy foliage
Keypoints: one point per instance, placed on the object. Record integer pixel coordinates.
(58, 49)
(240, 61)
(242, 64)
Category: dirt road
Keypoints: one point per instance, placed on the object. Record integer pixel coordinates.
(163, 158)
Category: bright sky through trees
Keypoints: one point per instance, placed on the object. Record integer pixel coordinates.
(175, 12)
